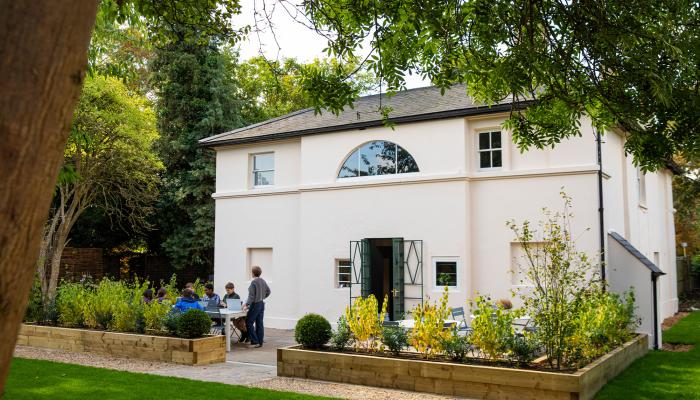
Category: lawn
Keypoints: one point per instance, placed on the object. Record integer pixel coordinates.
(661, 374)
(34, 379)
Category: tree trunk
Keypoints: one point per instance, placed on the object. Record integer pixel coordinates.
(43, 55)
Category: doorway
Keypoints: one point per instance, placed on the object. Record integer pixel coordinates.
(381, 272)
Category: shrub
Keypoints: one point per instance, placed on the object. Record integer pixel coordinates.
(35, 307)
(101, 303)
(523, 349)
(312, 331)
(71, 300)
(154, 315)
(429, 332)
(171, 320)
(394, 338)
(492, 327)
(193, 324)
(456, 347)
(364, 320)
(342, 335)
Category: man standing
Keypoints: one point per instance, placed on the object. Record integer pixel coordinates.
(257, 292)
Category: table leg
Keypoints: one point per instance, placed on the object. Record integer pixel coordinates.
(227, 330)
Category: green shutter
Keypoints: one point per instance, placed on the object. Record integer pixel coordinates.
(366, 265)
(398, 281)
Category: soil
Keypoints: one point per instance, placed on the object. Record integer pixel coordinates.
(678, 348)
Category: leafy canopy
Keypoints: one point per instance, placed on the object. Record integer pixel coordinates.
(632, 65)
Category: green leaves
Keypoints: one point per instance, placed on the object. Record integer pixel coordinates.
(633, 65)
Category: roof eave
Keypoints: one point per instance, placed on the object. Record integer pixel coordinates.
(463, 112)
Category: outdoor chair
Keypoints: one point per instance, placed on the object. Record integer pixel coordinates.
(459, 315)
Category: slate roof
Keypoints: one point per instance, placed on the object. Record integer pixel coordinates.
(633, 250)
(420, 104)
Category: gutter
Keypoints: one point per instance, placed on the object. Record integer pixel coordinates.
(601, 208)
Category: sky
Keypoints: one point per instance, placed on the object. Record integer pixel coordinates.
(290, 39)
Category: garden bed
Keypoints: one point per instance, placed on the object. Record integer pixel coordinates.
(206, 350)
(474, 381)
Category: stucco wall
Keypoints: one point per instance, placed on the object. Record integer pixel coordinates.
(309, 216)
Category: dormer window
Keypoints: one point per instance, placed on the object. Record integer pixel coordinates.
(379, 157)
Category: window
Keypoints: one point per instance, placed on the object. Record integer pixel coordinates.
(446, 272)
(642, 186)
(490, 151)
(342, 273)
(379, 157)
(263, 169)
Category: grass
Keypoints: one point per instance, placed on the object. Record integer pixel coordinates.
(34, 379)
(661, 374)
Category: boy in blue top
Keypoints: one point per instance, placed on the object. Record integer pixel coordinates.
(210, 296)
(188, 301)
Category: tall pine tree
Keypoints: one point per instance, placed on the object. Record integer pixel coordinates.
(195, 99)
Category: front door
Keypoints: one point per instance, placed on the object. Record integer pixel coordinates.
(380, 272)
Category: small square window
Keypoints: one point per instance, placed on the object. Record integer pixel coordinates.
(446, 272)
(263, 169)
(490, 149)
(343, 272)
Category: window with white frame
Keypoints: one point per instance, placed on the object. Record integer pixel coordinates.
(263, 169)
(342, 273)
(446, 271)
(642, 186)
(490, 150)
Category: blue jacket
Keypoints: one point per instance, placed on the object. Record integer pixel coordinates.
(183, 304)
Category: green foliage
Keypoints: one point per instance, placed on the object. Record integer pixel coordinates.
(35, 307)
(71, 301)
(342, 336)
(312, 331)
(195, 99)
(273, 88)
(523, 349)
(364, 320)
(603, 322)
(625, 64)
(429, 332)
(456, 347)
(394, 339)
(154, 315)
(492, 327)
(193, 324)
(575, 319)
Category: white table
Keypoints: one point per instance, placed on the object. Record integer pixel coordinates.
(228, 315)
(410, 323)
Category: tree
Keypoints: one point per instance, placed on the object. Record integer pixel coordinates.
(195, 100)
(108, 164)
(633, 65)
(273, 88)
(686, 202)
(43, 57)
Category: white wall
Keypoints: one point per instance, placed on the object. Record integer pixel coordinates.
(309, 216)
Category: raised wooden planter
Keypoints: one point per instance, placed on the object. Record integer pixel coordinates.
(206, 350)
(474, 381)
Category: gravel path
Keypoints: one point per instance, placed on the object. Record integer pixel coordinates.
(230, 372)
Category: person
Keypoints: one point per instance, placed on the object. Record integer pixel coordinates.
(187, 301)
(148, 296)
(239, 322)
(161, 295)
(209, 294)
(190, 285)
(257, 292)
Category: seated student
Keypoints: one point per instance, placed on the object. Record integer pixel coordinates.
(239, 322)
(161, 295)
(187, 301)
(209, 294)
(148, 296)
(190, 285)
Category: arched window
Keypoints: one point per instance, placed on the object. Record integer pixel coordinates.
(379, 157)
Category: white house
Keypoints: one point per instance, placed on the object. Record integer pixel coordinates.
(324, 202)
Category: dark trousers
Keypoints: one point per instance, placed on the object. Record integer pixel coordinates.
(256, 313)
